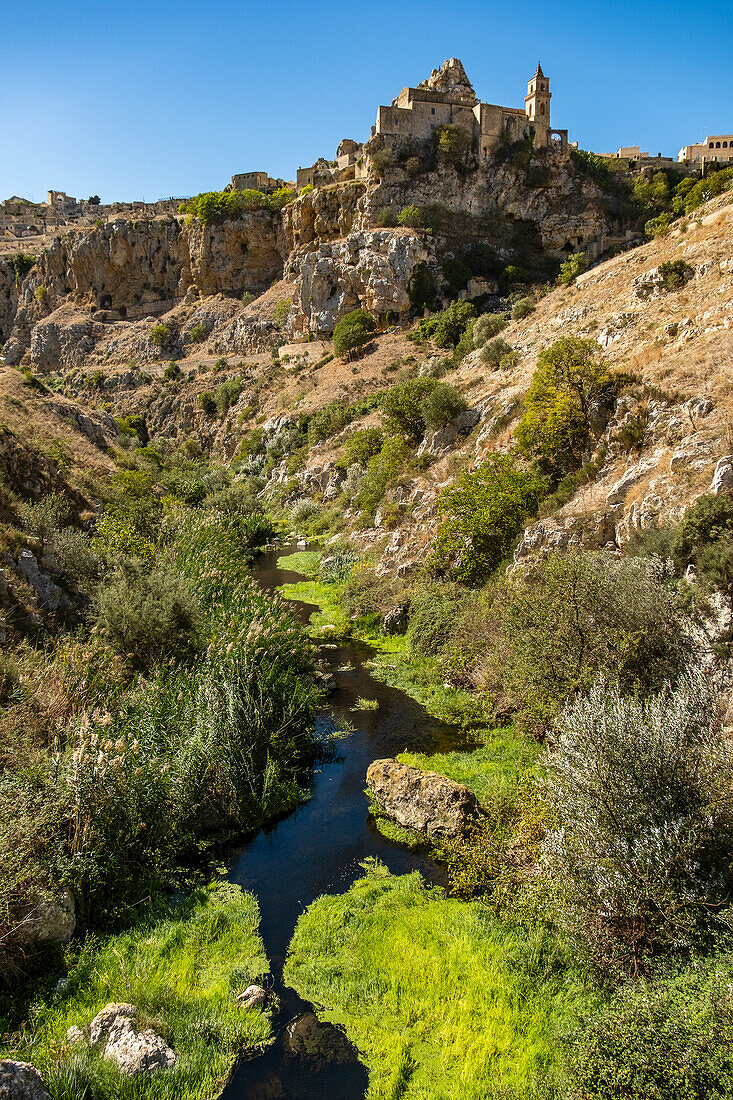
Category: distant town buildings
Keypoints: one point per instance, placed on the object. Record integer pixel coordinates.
(715, 147)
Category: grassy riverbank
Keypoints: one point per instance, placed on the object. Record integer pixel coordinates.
(441, 998)
(183, 974)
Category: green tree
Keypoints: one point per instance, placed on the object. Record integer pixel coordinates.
(566, 393)
(453, 145)
(351, 333)
(150, 617)
(573, 266)
(402, 406)
(485, 509)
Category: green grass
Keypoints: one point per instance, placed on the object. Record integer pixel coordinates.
(183, 974)
(490, 771)
(440, 998)
(419, 677)
(303, 561)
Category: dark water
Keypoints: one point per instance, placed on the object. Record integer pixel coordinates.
(318, 849)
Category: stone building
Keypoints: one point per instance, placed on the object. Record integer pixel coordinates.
(715, 147)
(447, 97)
(254, 181)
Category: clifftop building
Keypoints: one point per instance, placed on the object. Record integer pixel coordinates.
(715, 147)
(447, 97)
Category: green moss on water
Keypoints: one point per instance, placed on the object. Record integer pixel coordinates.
(440, 997)
(183, 974)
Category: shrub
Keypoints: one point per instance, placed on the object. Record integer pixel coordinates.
(704, 539)
(247, 298)
(302, 511)
(452, 145)
(198, 333)
(411, 216)
(498, 353)
(351, 333)
(149, 617)
(641, 791)
(412, 166)
(570, 617)
(381, 162)
(441, 405)
(452, 322)
(434, 609)
(672, 1037)
(282, 310)
(41, 295)
(160, 336)
(690, 194)
(207, 401)
(227, 394)
(485, 510)
(675, 273)
(658, 227)
(567, 395)
(573, 266)
(380, 471)
(402, 405)
(421, 287)
(522, 309)
(43, 520)
(487, 326)
(386, 216)
(456, 274)
(21, 264)
(360, 447)
(171, 372)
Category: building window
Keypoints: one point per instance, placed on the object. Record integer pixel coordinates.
(717, 144)
(725, 144)
(711, 146)
(542, 108)
(432, 110)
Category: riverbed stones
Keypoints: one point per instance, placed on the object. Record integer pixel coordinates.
(131, 1050)
(420, 800)
(318, 1044)
(21, 1081)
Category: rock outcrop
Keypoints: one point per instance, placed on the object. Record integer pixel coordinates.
(424, 801)
(370, 269)
(21, 1081)
(131, 1050)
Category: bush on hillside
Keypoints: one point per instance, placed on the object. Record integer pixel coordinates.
(160, 336)
(487, 326)
(351, 333)
(485, 509)
(642, 792)
(571, 616)
(573, 266)
(704, 539)
(659, 226)
(497, 353)
(360, 447)
(675, 273)
(522, 308)
(441, 405)
(567, 397)
(149, 617)
(452, 145)
(380, 472)
(411, 216)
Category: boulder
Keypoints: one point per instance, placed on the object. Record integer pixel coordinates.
(132, 1051)
(395, 621)
(421, 800)
(21, 1081)
(254, 996)
(318, 1044)
(54, 919)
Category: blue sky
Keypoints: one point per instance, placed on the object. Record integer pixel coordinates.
(145, 100)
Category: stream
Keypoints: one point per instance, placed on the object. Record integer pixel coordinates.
(318, 848)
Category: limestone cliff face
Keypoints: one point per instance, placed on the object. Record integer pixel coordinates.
(322, 215)
(566, 207)
(246, 254)
(370, 269)
(8, 299)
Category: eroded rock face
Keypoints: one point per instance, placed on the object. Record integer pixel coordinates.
(131, 1050)
(424, 801)
(318, 1044)
(370, 269)
(21, 1081)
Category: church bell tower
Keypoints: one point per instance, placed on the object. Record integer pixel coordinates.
(537, 105)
